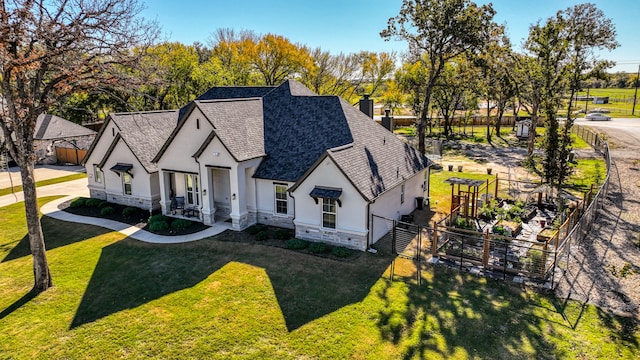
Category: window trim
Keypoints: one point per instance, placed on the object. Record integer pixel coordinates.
(126, 180)
(276, 200)
(330, 202)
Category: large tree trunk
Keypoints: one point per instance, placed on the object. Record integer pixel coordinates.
(41, 274)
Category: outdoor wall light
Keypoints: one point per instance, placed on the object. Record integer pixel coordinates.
(233, 197)
(204, 191)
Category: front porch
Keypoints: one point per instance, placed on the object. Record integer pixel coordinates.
(209, 197)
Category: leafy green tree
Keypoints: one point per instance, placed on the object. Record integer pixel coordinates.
(548, 44)
(438, 31)
(587, 30)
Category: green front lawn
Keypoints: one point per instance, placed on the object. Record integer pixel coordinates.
(18, 188)
(116, 297)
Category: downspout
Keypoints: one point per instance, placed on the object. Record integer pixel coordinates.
(369, 220)
(294, 211)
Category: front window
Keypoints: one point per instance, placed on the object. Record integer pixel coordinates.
(126, 183)
(329, 213)
(97, 174)
(191, 187)
(281, 199)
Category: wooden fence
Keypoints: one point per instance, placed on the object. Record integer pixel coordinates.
(70, 155)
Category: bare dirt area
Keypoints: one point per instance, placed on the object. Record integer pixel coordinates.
(604, 268)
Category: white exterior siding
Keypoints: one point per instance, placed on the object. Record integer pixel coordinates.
(179, 154)
(144, 186)
(266, 212)
(351, 217)
(388, 204)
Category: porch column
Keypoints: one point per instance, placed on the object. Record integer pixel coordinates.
(165, 189)
(208, 196)
(239, 214)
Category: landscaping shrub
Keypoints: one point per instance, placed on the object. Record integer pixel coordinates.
(282, 234)
(341, 252)
(129, 211)
(108, 210)
(93, 202)
(296, 244)
(181, 224)
(103, 203)
(255, 229)
(79, 202)
(262, 236)
(158, 225)
(158, 218)
(318, 248)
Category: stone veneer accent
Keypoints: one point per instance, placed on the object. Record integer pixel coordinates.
(135, 201)
(339, 238)
(268, 218)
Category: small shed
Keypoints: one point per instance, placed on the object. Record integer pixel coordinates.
(523, 126)
(601, 100)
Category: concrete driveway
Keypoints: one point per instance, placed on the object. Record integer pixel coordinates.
(76, 188)
(43, 172)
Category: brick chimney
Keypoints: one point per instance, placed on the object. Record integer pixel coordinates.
(387, 121)
(366, 105)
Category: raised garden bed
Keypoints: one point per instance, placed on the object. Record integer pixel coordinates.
(546, 234)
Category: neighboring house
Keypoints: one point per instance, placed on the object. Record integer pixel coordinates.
(53, 132)
(285, 156)
(119, 163)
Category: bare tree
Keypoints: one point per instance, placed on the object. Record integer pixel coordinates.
(49, 50)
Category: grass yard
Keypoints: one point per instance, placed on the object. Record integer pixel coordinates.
(440, 191)
(116, 297)
(620, 101)
(58, 180)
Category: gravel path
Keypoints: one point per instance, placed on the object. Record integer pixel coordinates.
(604, 268)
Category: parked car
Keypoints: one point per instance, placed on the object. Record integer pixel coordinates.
(595, 116)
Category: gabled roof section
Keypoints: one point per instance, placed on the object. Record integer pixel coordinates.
(49, 127)
(230, 92)
(238, 124)
(378, 160)
(299, 126)
(145, 133)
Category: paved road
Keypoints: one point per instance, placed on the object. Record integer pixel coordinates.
(624, 135)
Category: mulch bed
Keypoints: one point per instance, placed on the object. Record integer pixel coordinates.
(138, 219)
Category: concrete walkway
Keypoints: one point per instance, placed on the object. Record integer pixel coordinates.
(76, 188)
(51, 209)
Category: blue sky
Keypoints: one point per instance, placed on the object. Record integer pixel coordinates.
(353, 25)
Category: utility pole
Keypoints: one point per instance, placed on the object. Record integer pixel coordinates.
(635, 95)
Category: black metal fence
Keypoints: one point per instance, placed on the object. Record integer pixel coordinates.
(542, 260)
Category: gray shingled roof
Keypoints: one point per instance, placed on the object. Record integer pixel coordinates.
(145, 133)
(298, 129)
(50, 127)
(238, 124)
(376, 160)
(231, 92)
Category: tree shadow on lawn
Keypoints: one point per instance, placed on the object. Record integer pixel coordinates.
(57, 234)
(130, 273)
(452, 312)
